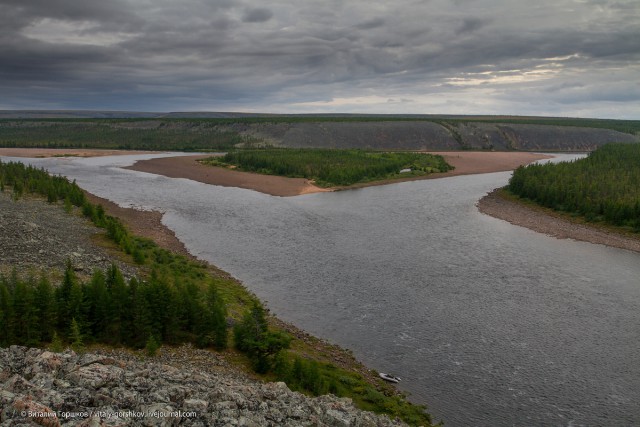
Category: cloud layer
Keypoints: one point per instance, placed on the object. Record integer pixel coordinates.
(561, 57)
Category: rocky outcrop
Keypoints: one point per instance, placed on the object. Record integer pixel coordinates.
(101, 389)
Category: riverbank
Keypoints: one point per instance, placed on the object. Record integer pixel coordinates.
(501, 205)
(188, 167)
(149, 224)
(465, 163)
(66, 152)
(32, 246)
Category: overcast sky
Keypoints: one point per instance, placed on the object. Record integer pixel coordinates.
(577, 58)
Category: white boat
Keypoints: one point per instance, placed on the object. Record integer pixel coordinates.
(389, 378)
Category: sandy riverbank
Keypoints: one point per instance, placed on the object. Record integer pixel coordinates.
(66, 152)
(547, 221)
(465, 163)
(189, 167)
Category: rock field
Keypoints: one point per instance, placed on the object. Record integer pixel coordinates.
(113, 388)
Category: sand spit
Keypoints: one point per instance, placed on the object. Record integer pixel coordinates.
(66, 152)
(465, 162)
(189, 167)
(546, 221)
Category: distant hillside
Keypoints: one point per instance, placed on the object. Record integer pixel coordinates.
(202, 131)
(431, 135)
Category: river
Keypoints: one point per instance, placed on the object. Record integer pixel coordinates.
(488, 323)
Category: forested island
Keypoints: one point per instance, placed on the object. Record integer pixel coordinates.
(328, 168)
(603, 187)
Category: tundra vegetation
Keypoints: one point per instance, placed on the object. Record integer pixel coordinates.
(118, 134)
(328, 167)
(602, 187)
(176, 300)
(216, 134)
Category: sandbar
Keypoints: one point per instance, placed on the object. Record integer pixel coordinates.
(549, 222)
(63, 152)
(465, 163)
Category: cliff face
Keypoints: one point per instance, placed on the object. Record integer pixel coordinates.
(427, 135)
(186, 387)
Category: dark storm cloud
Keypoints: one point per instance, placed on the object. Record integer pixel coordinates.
(333, 55)
(256, 15)
(371, 23)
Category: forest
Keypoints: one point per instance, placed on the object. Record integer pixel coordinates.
(329, 167)
(177, 301)
(118, 134)
(108, 309)
(603, 187)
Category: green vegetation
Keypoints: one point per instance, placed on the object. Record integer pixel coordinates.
(332, 167)
(118, 134)
(178, 301)
(253, 336)
(626, 126)
(602, 187)
(219, 134)
(317, 378)
(105, 309)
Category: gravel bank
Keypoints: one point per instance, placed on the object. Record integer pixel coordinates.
(546, 221)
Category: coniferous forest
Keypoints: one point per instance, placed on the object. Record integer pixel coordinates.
(108, 309)
(603, 187)
(185, 135)
(332, 167)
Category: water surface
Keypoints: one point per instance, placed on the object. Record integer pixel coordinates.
(489, 323)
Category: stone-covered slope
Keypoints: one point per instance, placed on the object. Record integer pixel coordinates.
(116, 389)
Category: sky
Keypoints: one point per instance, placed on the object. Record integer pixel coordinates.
(570, 58)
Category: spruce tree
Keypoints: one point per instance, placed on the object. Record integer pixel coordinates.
(118, 304)
(253, 337)
(6, 314)
(98, 302)
(25, 318)
(76, 337)
(45, 307)
(212, 330)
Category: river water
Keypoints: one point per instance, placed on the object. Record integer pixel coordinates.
(488, 323)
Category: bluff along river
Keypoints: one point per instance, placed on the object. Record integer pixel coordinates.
(489, 323)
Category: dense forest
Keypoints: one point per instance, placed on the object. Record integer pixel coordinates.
(332, 167)
(176, 301)
(118, 134)
(108, 309)
(605, 186)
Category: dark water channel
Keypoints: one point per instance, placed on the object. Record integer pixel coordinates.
(489, 323)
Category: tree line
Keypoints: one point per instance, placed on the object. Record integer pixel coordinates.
(110, 134)
(601, 187)
(332, 167)
(108, 309)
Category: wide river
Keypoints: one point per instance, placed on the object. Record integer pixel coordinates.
(488, 323)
